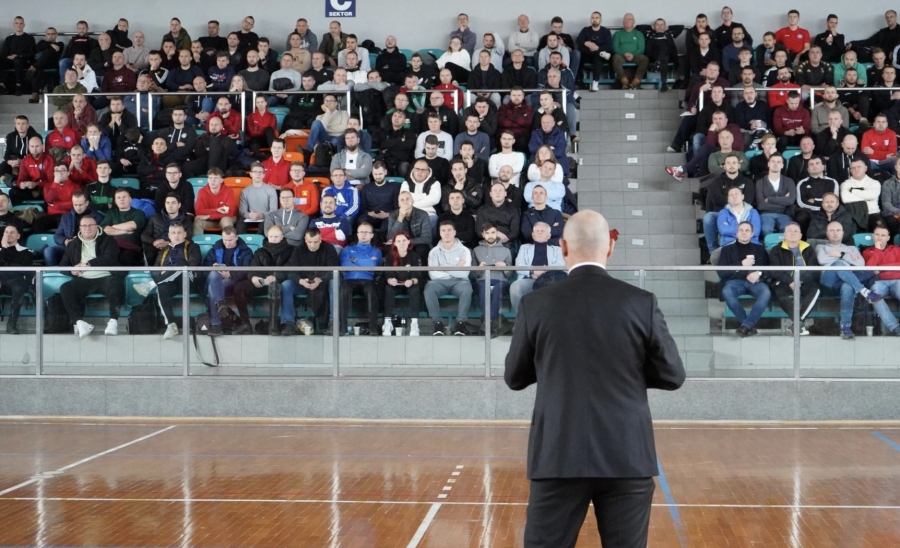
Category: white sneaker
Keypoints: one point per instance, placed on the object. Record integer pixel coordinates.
(83, 329)
(171, 331)
(595, 85)
(414, 328)
(388, 329)
(112, 327)
(144, 288)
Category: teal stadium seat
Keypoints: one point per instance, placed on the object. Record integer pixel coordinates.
(864, 239)
(126, 182)
(773, 239)
(254, 241)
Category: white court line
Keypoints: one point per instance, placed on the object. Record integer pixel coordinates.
(423, 527)
(424, 503)
(84, 460)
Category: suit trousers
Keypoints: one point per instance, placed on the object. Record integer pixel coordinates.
(557, 508)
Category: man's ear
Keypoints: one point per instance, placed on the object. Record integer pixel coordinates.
(612, 246)
(564, 246)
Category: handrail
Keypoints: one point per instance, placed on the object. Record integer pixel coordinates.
(506, 90)
(812, 96)
(95, 94)
(346, 92)
(526, 268)
(152, 94)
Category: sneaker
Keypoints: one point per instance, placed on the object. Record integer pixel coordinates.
(388, 328)
(112, 328)
(895, 332)
(595, 85)
(144, 288)
(171, 331)
(83, 329)
(803, 331)
(873, 297)
(35, 99)
(676, 172)
(742, 331)
(460, 329)
(846, 333)
(670, 148)
(414, 328)
(288, 329)
(438, 328)
(664, 87)
(12, 328)
(215, 330)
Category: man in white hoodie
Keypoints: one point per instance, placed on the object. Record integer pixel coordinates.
(862, 188)
(449, 252)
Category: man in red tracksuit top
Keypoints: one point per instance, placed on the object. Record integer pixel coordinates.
(516, 117)
(231, 120)
(888, 283)
(215, 205)
(62, 135)
(278, 170)
(58, 196)
(35, 171)
(790, 122)
(880, 145)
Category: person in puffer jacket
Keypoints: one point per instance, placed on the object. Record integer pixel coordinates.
(360, 255)
(736, 212)
(276, 251)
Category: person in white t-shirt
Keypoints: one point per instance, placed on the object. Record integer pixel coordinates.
(507, 157)
(445, 140)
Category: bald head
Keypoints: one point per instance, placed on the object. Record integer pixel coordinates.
(586, 239)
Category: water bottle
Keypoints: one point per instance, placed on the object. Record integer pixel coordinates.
(403, 325)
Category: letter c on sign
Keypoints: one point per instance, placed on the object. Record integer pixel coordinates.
(341, 6)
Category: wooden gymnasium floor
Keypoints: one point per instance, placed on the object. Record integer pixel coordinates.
(272, 484)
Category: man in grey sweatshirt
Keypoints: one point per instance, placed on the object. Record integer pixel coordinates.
(846, 282)
(293, 222)
(492, 252)
(257, 200)
(449, 252)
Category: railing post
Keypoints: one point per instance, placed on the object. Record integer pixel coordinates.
(149, 110)
(137, 113)
(335, 323)
(46, 113)
(642, 278)
(797, 324)
(244, 111)
(186, 320)
(39, 319)
(349, 110)
(487, 321)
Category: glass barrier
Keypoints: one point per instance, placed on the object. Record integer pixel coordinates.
(735, 322)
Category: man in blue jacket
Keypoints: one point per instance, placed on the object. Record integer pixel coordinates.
(345, 195)
(229, 251)
(362, 254)
(68, 227)
(549, 134)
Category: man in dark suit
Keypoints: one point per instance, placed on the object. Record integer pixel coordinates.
(593, 345)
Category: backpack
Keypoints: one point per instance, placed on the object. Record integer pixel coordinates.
(144, 318)
(56, 319)
(323, 154)
(202, 324)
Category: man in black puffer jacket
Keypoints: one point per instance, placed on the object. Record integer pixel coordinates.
(276, 251)
(15, 283)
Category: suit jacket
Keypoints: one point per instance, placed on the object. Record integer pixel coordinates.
(591, 417)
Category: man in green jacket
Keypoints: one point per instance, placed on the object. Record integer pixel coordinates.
(628, 47)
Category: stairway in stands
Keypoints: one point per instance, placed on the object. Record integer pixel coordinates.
(622, 174)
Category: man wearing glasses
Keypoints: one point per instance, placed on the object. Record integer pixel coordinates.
(362, 254)
(91, 248)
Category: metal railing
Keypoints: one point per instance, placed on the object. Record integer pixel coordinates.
(47, 97)
(640, 272)
(151, 95)
(345, 93)
(812, 96)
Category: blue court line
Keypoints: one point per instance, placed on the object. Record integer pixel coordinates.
(670, 500)
(894, 445)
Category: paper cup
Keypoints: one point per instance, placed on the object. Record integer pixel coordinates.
(356, 330)
(399, 331)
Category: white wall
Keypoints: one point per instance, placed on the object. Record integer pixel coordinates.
(422, 23)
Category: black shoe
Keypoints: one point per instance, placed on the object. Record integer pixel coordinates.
(664, 87)
(12, 328)
(438, 328)
(742, 331)
(221, 308)
(288, 330)
(243, 328)
(460, 328)
(215, 330)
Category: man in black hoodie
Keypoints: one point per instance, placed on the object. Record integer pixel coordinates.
(176, 184)
(155, 236)
(315, 284)
(14, 283)
(180, 138)
(811, 191)
(734, 284)
(391, 62)
(276, 251)
(17, 53)
(717, 197)
(80, 43)
(397, 146)
(16, 148)
(661, 50)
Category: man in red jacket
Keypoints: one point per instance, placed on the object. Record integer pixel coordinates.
(888, 283)
(215, 205)
(517, 118)
(58, 196)
(35, 171)
(779, 98)
(82, 171)
(790, 122)
(278, 170)
(231, 120)
(880, 145)
(62, 135)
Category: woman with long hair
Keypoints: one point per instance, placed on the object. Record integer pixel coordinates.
(457, 60)
(543, 154)
(239, 91)
(401, 281)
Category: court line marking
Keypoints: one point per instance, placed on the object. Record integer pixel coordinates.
(423, 527)
(891, 443)
(670, 500)
(84, 460)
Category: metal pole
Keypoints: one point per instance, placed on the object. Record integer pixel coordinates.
(149, 111)
(137, 102)
(186, 321)
(335, 323)
(244, 111)
(487, 322)
(797, 324)
(39, 319)
(349, 111)
(468, 98)
(46, 112)
(642, 278)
